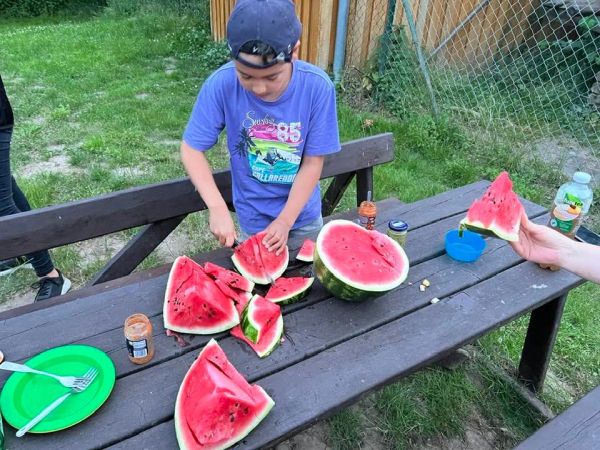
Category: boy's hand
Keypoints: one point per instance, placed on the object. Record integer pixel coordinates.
(221, 226)
(277, 236)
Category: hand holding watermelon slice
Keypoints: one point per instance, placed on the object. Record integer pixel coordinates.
(497, 213)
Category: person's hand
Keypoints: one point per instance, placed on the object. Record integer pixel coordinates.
(539, 243)
(221, 226)
(276, 236)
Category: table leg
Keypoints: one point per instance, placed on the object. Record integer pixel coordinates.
(541, 334)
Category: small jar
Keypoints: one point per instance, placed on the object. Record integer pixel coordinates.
(138, 337)
(397, 230)
(367, 211)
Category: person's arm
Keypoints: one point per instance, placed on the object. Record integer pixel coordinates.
(544, 245)
(306, 179)
(220, 221)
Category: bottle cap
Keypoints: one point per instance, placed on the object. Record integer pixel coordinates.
(582, 177)
(398, 225)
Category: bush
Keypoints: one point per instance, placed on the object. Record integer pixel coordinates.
(198, 8)
(32, 8)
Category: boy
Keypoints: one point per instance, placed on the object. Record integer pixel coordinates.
(280, 116)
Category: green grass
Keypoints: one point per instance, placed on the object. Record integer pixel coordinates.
(111, 95)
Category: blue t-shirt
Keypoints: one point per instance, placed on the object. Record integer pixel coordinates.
(267, 140)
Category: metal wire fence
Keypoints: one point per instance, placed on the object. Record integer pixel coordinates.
(531, 67)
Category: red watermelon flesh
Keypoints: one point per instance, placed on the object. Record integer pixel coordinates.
(193, 302)
(497, 212)
(216, 407)
(307, 251)
(261, 327)
(256, 263)
(232, 279)
(365, 257)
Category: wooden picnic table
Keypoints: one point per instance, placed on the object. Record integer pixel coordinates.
(334, 351)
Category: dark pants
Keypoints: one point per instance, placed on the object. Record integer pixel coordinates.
(12, 201)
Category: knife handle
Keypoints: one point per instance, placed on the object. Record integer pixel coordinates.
(37, 419)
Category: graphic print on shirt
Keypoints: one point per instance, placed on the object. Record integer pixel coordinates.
(271, 148)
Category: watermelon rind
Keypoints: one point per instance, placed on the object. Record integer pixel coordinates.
(344, 287)
(251, 328)
(197, 329)
(492, 230)
(180, 422)
(262, 349)
(306, 252)
(292, 296)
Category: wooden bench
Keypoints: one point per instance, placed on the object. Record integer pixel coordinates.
(577, 428)
(159, 208)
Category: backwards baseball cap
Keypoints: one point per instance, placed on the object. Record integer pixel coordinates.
(273, 22)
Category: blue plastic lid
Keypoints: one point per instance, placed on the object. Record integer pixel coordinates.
(582, 177)
(398, 225)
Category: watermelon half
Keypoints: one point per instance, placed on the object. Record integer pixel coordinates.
(497, 213)
(194, 303)
(289, 290)
(354, 263)
(252, 259)
(261, 327)
(307, 251)
(216, 407)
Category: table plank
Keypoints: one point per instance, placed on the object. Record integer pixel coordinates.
(339, 376)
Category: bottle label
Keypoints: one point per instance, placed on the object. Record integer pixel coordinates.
(566, 215)
(367, 222)
(573, 201)
(137, 349)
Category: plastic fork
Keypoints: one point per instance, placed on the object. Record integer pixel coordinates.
(66, 381)
(89, 376)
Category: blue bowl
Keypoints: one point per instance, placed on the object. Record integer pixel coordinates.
(467, 248)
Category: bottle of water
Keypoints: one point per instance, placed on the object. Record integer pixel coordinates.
(571, 204)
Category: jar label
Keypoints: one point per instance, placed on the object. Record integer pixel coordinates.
(137, 349)
(367, 222)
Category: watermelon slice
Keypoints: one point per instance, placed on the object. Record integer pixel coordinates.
(354, 263)
(262, 326)
(243, 299)
(216, 407)
(193, 302)
(307, 251)
(497, 213)
(289, 290)
(232, 279)
(252, 259)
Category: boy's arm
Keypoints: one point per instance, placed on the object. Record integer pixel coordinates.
(306, 179)
(220, 221)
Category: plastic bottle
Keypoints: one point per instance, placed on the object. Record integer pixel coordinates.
(571, 204)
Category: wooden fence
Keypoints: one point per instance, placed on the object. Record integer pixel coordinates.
(469, 30)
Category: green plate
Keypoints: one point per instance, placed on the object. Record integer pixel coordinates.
(25, 395)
